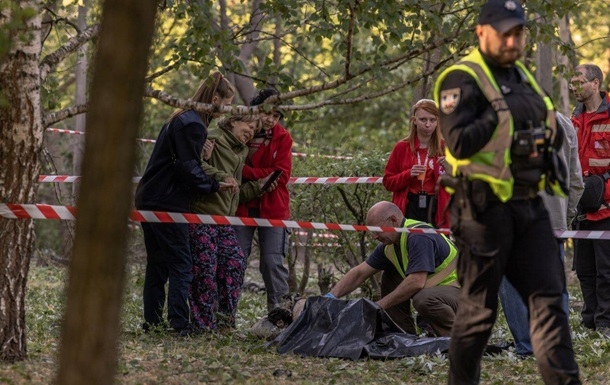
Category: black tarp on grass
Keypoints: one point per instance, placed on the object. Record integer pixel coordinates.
(351, 329)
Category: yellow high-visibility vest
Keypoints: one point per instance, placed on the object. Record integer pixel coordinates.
(444, 275)
(492, 163)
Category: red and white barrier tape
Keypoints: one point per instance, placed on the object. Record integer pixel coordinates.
(336, 180)
(43, 211)
(304, 155)
(293, 244)
(293, 180)
(298, 154)
(69, 179)
(316, 235)
(62, 131)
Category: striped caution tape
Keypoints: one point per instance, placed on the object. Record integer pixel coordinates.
(316, 235)
(297, 154)
(62, 131)
(304, 155)
(43, 211)
(293, 180)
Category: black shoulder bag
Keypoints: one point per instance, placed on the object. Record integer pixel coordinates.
(593, 196)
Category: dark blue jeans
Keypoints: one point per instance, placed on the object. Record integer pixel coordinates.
(168, 257)
(513, 239)
(516, 313)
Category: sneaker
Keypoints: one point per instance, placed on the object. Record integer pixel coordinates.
(604, 331)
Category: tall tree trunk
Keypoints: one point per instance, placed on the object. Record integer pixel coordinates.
(424, 88)
(564, 93)
(92, 321)
(244, 84)
(20, 144)
(81, 95)
(544, 66)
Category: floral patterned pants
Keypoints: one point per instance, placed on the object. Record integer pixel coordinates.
(219, 266)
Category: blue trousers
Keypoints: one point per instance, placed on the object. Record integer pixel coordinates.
(168, 258)
(516, 313)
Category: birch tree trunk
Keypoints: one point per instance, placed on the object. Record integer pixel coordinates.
(92, 321)
(20, 144)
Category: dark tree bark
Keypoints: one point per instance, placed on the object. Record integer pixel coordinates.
(92, 321)
(20, 144)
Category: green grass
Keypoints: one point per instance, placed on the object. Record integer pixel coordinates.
(240, 359)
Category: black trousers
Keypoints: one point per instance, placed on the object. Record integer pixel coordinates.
(592, 265)
(513, 239)
(168, 257)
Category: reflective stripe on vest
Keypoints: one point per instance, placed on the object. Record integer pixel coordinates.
(492, 163)
(444, 275)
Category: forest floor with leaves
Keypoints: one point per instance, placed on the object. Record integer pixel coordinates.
(238, 358)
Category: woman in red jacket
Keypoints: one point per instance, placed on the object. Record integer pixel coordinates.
(269, 151)
(415, 165)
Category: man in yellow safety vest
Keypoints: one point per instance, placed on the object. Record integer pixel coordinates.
(502, 145)
(416, 266)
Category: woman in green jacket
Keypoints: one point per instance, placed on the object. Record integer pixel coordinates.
(218, 261)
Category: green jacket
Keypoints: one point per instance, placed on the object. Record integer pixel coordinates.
(227, 159)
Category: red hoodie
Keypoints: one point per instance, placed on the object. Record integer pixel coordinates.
(277, 155)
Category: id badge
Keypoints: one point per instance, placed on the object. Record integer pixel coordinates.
(423, 200)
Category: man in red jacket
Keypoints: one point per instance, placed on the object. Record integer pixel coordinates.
(591, 118)
(270, 150)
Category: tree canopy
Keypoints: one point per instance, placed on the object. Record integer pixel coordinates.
(347, 71)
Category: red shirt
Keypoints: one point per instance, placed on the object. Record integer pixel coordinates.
(277, 154)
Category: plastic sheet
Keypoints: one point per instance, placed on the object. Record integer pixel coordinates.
(351, 329)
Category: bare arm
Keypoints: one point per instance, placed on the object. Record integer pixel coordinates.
(410, 286)
(353, 279)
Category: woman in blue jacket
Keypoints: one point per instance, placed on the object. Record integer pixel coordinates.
(173, 177)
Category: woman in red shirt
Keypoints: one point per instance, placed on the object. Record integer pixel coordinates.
(269, 151)
(415, 165)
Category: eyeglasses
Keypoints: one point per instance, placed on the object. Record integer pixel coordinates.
(578, 84)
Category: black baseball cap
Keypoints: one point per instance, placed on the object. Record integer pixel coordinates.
(263, 95)
(502, 15)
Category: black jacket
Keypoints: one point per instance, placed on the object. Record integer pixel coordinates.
(170, 182)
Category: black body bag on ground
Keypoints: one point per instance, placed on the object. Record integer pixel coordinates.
(351, 329)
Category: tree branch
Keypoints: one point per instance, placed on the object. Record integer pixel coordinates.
(161, 72)
(388, 63)
(66, 113)
(50, 61)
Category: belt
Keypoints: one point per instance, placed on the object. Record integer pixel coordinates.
(524, 192)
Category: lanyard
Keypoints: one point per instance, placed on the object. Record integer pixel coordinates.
(425, 164)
